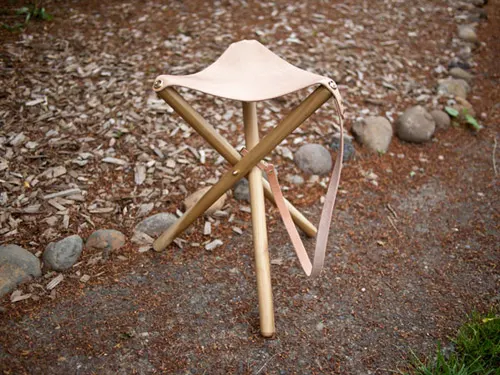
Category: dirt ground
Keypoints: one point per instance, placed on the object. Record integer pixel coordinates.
(408, 258)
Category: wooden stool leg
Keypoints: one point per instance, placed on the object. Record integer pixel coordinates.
(262, 266)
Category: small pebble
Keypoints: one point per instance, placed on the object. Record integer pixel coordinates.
(84, 278)
(212, 245)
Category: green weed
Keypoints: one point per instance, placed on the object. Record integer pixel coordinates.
(34, 11)
(30, 12)
(464, 114)
(477, 351)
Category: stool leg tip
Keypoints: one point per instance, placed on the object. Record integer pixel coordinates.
(158, 247)
(268, 334)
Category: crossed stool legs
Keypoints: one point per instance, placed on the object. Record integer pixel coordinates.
(243, 166)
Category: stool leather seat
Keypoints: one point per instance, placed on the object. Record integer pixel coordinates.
(247, 71)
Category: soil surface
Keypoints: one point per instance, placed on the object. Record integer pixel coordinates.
(409, 256)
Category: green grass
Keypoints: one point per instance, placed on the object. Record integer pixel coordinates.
(32, 11)
(477, 351)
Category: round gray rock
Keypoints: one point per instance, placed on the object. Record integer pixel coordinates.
(349, 150)
(415, 125)
(155, 225)
(105, 240)
(477, 15)
(453, 87)
(456, 62)
(313, 159)
(374, 132)
(460, 73)
(63, 254)
(478, 3)
(241, 191)
(467, 33)
(16, 266)
(441, 119)
(295, 179)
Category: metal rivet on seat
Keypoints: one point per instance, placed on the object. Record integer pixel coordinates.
(158, 84)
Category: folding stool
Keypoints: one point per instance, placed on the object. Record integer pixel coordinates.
(247, 71)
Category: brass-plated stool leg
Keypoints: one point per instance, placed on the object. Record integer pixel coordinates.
(243, 167)
(223, 147)
(262, 266)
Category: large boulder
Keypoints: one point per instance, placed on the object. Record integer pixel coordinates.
(241, 191)
(441, 119)
(456, 62)
(349, 151)
(460, 73)
(313, 159)
(467, 33)
(61, 255)
(105, 240)
(453, 87)
(17, 265)
(415, 125)
(374, 132)
(477, 3)
(155, 225)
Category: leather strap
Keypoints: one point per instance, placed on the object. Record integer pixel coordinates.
(313, 268)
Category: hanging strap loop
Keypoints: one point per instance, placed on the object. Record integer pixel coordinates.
(312, 269)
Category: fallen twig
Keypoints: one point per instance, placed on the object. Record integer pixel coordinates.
(393, 212)
(393, 225)
(265, 364)
(493, 157)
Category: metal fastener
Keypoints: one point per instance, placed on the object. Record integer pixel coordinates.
(235, 172)
(333, 85)
(158, 84)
